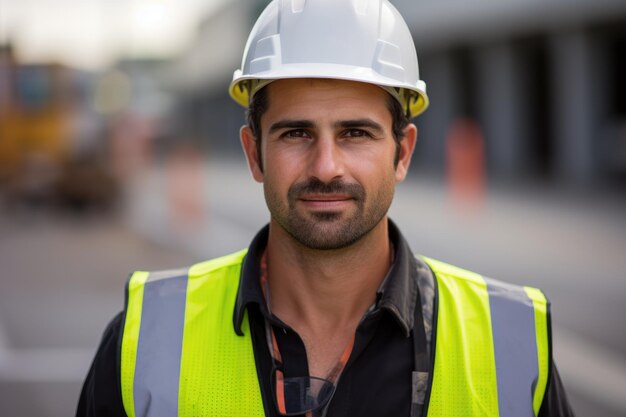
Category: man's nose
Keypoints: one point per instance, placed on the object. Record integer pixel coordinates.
(326, 162)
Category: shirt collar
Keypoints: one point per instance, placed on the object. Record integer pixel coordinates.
(249, 291)
(397, 295)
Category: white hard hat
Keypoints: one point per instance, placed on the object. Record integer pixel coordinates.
(357, 40)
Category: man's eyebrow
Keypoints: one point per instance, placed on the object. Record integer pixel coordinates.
(342, 124)
(291, 124)
(360, 123)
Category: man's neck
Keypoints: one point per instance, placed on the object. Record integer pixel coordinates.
(318, 292)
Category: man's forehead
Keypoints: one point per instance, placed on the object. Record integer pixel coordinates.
(341, 95)
(308, 84)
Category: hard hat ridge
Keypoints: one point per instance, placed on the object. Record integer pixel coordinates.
(357, 40)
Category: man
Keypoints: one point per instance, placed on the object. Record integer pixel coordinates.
(328, 312)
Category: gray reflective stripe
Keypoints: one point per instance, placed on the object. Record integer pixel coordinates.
(157, 371)
(172, 273)
(515, 348)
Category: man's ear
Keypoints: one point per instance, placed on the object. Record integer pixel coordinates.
(407, 146)
(248, 142)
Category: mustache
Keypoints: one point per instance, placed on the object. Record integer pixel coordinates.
(315, 186)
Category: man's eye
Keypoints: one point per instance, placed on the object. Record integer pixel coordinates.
(297, 133)
(356, 133)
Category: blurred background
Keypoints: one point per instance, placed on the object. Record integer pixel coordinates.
(119, 151)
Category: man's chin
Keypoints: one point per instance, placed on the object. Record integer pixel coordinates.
(326, 216)
(326, 233)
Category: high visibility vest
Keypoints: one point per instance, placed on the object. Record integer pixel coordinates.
(180, 355)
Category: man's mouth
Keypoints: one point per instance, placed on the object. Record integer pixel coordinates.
(326, 201)
(326, 197)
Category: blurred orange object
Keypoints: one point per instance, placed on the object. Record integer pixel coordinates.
(465, 165)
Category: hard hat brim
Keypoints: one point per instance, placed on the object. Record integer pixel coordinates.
(238, 89)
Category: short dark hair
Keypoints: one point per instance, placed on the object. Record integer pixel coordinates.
(260, 103)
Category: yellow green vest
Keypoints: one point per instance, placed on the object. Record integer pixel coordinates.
(180, 355)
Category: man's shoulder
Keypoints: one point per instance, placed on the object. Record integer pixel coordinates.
(223, 262)
(203, 268)
(440, 268)
(445, 271)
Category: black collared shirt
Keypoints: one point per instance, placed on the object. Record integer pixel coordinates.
(377, 378)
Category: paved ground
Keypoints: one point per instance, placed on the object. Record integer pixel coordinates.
(62, 278)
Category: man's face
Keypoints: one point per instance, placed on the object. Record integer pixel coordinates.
(328, 159)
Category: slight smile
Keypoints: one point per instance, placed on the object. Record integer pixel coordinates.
(326, 201)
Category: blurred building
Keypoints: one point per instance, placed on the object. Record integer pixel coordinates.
(199, 78)
(545, 81)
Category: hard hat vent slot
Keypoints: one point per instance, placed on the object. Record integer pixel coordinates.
(267, 54)
(388, 60)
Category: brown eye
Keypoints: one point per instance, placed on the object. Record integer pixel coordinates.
(356, 133)
(296, 133)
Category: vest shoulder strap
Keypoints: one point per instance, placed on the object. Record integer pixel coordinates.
(492, 351)
(180, 354)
